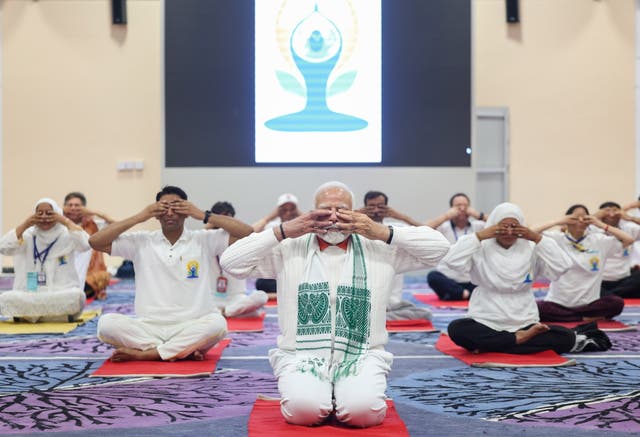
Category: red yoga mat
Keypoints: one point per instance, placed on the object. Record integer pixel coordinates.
(433, 300)
(632, 302)
(604, 325)
(497, 359)
(164, 368)
(246, 324)
(266, 419)
(420, 325)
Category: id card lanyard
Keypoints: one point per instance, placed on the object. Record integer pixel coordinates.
(221, 282)
(42, 257)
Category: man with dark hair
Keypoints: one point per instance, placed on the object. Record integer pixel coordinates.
(461, 219)
(618, 277)
(223, 208)
(176, 314)
(230, 293)
(376, 207)
(90, 265)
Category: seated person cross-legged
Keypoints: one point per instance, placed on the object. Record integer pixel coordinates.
(503, 259)
(619, 278)
(376, 206)
(230, 293)
(176, 317)
(90, 265)
(461, 219)
(575, 296)
(46, 286)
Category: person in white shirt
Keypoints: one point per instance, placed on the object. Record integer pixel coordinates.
(286, 209)
(46, 286)
(461, 219)
(176, 314)
(334, 268)
(504, 259)
(229, 293)
(575, 296)
(618, 278)
(376, 206)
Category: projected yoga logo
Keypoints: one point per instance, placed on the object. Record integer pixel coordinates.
(315, 45)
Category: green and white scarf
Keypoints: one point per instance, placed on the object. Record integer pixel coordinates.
(352, 316)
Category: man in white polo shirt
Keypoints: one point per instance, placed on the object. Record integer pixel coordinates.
(176, 315)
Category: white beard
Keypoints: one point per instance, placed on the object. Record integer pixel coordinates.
(334, 237)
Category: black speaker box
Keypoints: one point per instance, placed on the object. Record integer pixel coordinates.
(513, 13)
(119, 11)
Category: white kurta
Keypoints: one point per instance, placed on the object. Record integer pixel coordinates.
(59, 265)
(359, 399)
(452, 233)
(62, 295)
(260, 254)
(500, 306)
(580, 285)
(173, 282)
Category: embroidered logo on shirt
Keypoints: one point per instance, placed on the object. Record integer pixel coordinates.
(625, 252)
(527, 279)
(192, 269)
(62, 260)
(594, 261)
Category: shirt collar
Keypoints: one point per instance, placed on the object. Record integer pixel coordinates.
(323, 244)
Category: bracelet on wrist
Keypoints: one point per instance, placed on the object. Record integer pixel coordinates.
(282, 232)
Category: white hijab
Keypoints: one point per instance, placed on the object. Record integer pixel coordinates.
(46, 237)
(510, 265)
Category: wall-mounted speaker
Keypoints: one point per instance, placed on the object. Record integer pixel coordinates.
(513, 13)
(119, 11)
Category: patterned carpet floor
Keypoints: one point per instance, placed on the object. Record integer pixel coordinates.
(45, 386)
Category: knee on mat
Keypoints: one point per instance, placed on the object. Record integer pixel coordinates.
(304, 410)
(215, 329)
(107, 325)
(361, 412)
(617, 305)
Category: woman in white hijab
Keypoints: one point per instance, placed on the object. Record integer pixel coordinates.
(46, 286)
(503, 259)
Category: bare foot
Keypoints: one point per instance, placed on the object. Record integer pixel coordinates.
(525, 335)
(127, 354)
(592, 319)
(196, 356)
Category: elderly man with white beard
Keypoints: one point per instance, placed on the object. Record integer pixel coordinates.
(334, 268)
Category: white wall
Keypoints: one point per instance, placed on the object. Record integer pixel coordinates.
(422, 193)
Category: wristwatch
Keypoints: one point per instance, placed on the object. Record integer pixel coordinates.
(207, 214)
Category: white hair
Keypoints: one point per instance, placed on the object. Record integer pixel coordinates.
(332, 184)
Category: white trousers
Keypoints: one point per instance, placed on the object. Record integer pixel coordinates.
(42, 305)
(358, 400)
(172, 340)
(243, 305)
